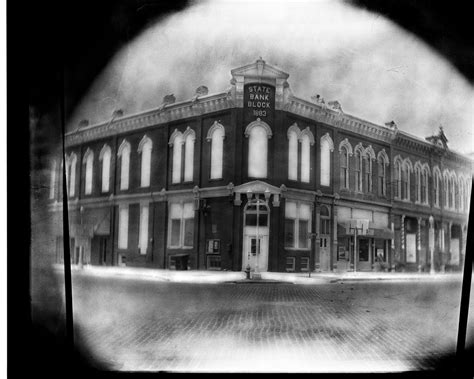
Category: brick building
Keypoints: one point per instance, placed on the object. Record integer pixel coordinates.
(257, 176)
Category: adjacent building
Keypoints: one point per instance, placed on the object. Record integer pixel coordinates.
(255, 177)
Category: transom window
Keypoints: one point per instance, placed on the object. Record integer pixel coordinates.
(257, 213)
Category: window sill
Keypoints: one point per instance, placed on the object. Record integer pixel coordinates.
(180, 247)
(298, 248)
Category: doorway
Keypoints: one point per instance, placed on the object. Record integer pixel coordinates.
(256, 235)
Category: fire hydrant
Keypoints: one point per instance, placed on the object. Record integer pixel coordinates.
(247, 271)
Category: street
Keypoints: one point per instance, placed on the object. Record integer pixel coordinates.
(350, 327)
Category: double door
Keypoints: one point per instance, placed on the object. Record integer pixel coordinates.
(255, 251)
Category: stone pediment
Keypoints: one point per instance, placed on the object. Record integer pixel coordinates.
(257, 186)
(259, 69)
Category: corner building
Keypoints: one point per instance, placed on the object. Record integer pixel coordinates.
(255, 176)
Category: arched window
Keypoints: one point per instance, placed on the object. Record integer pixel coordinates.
(407, 169)
(405, 178)
(52, 185)
(176, 143)
(436, 179)
(327, 147)
(467, 197)
(368, 174)
(189, 137)
(105, 157)
(258, 133)
(89, 162)
(461, 194)
(424, 187)
(418, 182)
(144, 148)
(293, 133)
(382, 162)
(398, 178)
(358, 170)
(344, 161)
(71, 174)
(305, 158)
(445, 190)
(452, 198)
(124, 154)
(216, 135)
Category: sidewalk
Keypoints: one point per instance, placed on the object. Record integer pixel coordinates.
(198, 276)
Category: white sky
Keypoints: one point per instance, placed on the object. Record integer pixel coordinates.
(376, 70)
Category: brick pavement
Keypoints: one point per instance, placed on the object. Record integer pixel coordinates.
(267, 327)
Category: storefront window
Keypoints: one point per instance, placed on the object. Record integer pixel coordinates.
(363, 250)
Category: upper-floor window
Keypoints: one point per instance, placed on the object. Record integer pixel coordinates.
(145, 148)
(71, 174)
(467, 196)
(345, 149)
(189, 137)
(89, 162)
(382, 162)
(297, 225)
(124, 155)
(424, 187)
(258, 133)
(105, 157)
(293, 135)
(398, 179)
(177, 140)
(436, 179)
(52, 185)
(405, 182)
(418, 189)
(306, 138)
(369, 156)
(181, 225)
(216, 136)
(358, 170)
(446, 192)
(453, 189)
(461, 193)
(327, 147)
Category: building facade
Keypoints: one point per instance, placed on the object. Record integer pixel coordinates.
(257, 177)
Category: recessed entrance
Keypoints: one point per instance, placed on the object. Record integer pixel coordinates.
(256, 233)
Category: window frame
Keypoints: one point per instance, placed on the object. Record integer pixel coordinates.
(296, 225)
(182, 224)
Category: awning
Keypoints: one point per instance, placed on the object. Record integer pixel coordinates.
(343, 230)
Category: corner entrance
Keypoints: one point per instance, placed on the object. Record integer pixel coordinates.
(256, 233)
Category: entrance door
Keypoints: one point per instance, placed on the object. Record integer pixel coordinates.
(255, 250)
(365, 254)
(324, 251)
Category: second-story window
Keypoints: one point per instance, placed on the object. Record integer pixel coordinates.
(258, 133)
(145, 148)
(382, 161)
(452, 197)
(445, 190)
(358, 170)
(71, 174)
(216, 136)
(124, 154)
(436, 177)
(344, 163)
(293, 134)
(368, 174)
(461, 194)
(327, 147)
(89, 162)
(424, 187)
(405, 183)
(189, 138)
(418, 180)
(105, 156)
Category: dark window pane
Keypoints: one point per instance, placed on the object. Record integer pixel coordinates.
(251, 219)
(175, 231)
(364, 250)
(263, 219)
(188, 231)
(303, 234)
(289, 233)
